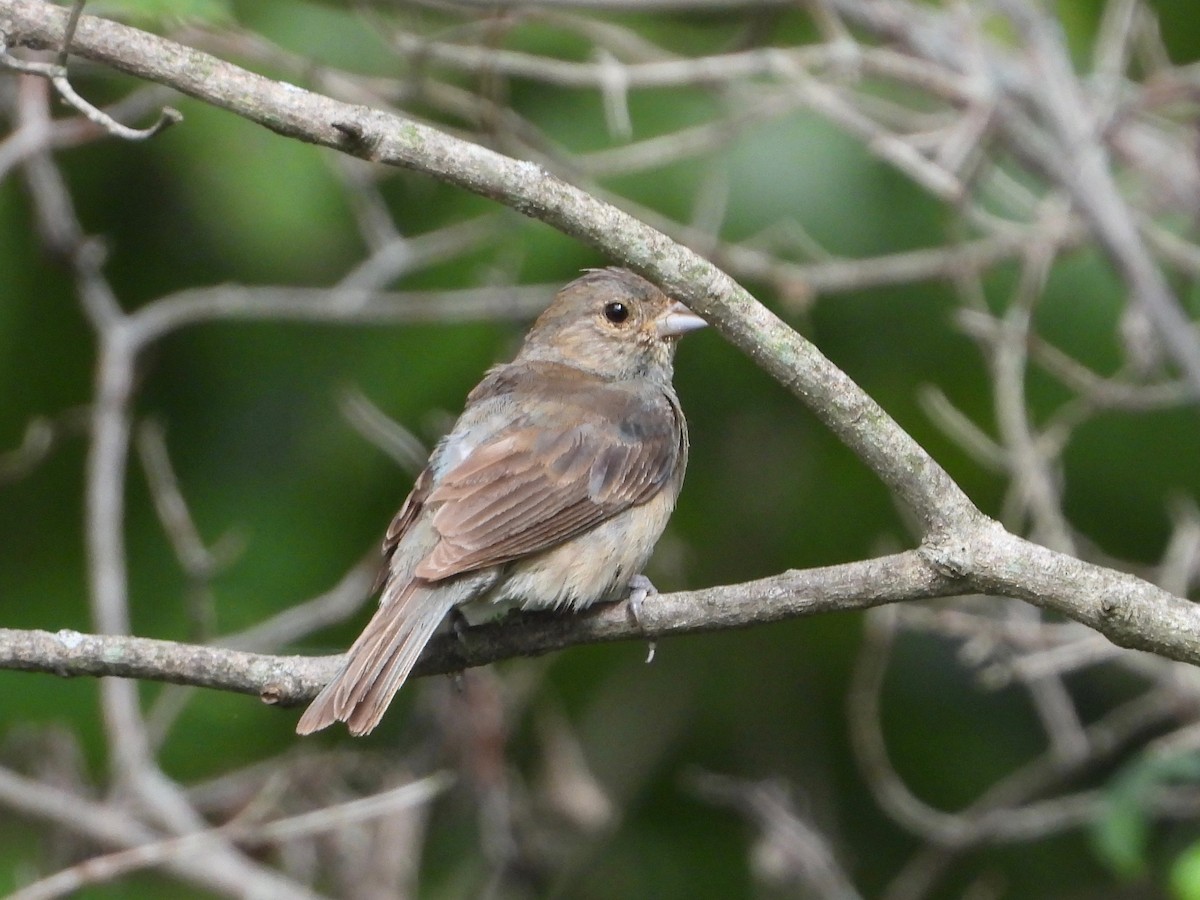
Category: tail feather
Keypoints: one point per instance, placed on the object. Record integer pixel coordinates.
(378, 663)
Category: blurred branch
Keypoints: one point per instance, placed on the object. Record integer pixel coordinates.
(1043, 112)
(198, 562)
(1009, 811)
(348, 307)
(989, 818)
(135, 770)
(60, 133)
(406, 450)
(111, 826)
(146, 854)
(42, 435)
(791, 851)
(600, 5)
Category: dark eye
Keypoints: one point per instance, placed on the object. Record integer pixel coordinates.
(616, 312)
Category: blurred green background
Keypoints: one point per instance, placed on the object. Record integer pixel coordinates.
(262, 453)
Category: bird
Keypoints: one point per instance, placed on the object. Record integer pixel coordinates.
(549, 492)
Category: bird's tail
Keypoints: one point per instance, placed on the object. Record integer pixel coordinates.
(379, 661)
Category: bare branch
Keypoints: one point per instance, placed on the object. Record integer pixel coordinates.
(289, 680)
(99, 870)
(113, 827)
(791, 851)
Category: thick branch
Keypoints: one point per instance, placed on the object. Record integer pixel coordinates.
(1129, 611)
(292, 679)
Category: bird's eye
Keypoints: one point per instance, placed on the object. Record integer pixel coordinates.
(616, 312)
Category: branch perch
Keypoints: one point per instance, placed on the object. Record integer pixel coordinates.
(293, 679)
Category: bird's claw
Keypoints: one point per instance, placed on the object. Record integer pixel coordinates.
(641, 587)
(459, 624)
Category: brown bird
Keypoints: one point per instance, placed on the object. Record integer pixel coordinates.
(550, 491)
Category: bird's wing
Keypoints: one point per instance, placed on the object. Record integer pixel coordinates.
(402, 521)
(538, 483)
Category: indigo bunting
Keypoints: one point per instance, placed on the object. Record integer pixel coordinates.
(550, 491)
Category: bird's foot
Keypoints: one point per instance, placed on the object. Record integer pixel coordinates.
(459, 623)
(641, 587)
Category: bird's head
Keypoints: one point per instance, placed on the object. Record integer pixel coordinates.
(613, 323)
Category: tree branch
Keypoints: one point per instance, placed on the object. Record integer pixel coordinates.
(292, 679)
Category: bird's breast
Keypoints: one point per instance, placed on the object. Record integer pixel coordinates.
(593, 567)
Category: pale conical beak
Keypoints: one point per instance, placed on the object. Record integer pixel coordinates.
(678, 320)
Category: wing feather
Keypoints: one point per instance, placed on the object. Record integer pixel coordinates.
(533, 486)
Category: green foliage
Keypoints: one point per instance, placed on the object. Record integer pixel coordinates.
(1185, 874)
(158, 13)
(1122, 836)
